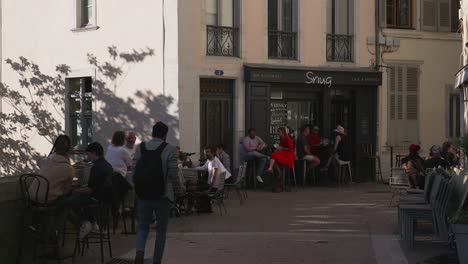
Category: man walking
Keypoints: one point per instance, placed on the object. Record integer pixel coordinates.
(155, 180)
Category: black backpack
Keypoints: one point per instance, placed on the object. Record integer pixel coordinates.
(149, 175)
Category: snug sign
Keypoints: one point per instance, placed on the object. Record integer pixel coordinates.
(315, 79)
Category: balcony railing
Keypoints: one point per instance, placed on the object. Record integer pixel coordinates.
(340, 48)
(282, 45)
(222, 41)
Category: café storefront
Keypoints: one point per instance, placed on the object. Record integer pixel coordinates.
(295, 96)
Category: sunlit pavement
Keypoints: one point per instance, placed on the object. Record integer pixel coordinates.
(352, 224)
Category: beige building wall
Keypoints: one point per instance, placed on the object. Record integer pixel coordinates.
(438, 55)
(45, 32)
(195, 64)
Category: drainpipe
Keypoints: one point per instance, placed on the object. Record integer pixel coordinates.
(377, 29)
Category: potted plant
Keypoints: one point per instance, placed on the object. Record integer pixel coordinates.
(459, 223)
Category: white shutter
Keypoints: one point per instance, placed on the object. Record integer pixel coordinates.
(392, 81)
(429, 15)
(412, 103)
(444, 17)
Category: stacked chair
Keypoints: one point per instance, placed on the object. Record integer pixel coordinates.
(430, 205)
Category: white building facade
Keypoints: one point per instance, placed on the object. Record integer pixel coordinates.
(118, 68)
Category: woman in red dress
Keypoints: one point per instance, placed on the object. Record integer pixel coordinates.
(285, 151)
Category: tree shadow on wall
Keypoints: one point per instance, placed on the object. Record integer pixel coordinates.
(38, 106)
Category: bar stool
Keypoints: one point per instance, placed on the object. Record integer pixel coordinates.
(346, 165)
(251, 172)
(284, 169)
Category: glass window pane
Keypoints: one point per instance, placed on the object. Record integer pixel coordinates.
(76, 132)
(341, 17)
(273, 15)
(227, 13)
(74, 87)
(403, 13)
(211, 12)
(84, 12)
(390, 6)
(75, 105)
(287, 15)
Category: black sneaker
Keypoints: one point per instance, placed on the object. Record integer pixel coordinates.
(140, 257)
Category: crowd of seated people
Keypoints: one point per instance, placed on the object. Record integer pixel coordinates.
(439, 157)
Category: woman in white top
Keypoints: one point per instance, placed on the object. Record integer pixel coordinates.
(117, 154)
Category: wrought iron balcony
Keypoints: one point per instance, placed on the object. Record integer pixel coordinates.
(282, 45)
(222, 41)
(340, 48)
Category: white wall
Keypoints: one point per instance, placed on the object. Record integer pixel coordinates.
(41, 31)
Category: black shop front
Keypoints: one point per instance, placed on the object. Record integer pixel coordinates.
(295, 96)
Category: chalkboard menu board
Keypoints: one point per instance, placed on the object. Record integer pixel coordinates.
(278, 118)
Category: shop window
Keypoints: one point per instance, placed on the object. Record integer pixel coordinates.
(403, 91)
(340, 36)
(80, 111)
(282, 29)
(222, 27)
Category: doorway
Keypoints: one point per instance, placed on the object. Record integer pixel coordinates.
(216, 113)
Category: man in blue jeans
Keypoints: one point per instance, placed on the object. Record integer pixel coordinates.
(154, 199)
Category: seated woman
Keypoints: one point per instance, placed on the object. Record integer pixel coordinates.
(283, 155)
(56, 168)
(414, 167)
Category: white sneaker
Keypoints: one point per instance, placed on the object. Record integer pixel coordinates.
(85, 229)
(259, 179)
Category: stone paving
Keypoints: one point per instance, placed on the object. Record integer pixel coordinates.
(352, 224)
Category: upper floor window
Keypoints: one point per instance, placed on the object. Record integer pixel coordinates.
(282, 29)
(80, 111)
(434, 15)
(222, 27)
(85, 13)
(340, 30)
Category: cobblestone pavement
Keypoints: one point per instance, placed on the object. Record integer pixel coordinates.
(352, 224)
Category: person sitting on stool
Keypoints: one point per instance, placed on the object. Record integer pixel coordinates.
(304, 149)
(284, 155)
(251, 147)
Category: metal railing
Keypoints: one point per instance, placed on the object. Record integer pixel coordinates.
(222, 41)
(282, 45)
(340, 48)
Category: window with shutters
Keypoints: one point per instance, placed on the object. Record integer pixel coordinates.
(439, 15)
(403, 84)
(282, 29)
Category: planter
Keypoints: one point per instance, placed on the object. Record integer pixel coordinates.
(461, 236)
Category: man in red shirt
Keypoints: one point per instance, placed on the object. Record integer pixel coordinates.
(314, 140)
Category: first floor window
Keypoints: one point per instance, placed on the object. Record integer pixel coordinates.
(80, 111)
(403, 94)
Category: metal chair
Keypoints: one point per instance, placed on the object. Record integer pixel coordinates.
(372, 155)
(347, 166)
(41, 218)
(103, 213)
(398, 182)
(217, 197)
(238, 184)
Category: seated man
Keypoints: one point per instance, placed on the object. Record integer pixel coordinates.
(99, 189)
(304, 149)
(436, 160)
(216, 173)
(251, 145)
